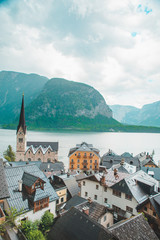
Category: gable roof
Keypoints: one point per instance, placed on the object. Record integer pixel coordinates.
(96, 210)
(75, 225)
(140, 185)
(44, 145)
(134, 228)
(4, 193)
(110, 179)
(155, 201)
(72, 185)
(84, 147)
(54, 167)
(74, 201)
(18, 199)
(29, 179)
(155, 171)
(110, 160)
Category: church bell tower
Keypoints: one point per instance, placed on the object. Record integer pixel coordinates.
(21, 135)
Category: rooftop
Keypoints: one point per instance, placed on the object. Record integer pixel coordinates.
(4, 193)
(18, 199)
(134, 228)
(75, 225)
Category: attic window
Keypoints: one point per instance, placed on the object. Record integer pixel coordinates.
(37, 185)
(48, 152)
(39, 152)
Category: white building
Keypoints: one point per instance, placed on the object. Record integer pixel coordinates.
(120, 191)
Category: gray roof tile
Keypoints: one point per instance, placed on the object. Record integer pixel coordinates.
(4, 193)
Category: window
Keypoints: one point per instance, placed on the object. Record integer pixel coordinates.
(29, 159)
(57, 201)
(104, 219)
(39, 152)
(20, 140)
(84, 183)
(129, 209)
(154, 214)
(29, 152)
(105, 200)
(71, 166)
(105, 189)
(90, 161)
(107, 224)
(129, 197)
(97, 187)
(75, 154)
(62, 199)
(78, 166)
(116, 193)
(78, 160)
(48, 160)
(95, 161)
(86, 194)
(116, 209)
(95, 197)
(90, 166)
(48, 152)
(85, 161)
(37, 184)
(145, 208)
(72, 160)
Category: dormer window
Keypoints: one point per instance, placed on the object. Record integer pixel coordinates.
(37, 185)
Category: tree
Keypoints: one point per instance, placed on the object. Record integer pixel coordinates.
(47, 221)
(12, 215)
(35, 235)
(9, 154)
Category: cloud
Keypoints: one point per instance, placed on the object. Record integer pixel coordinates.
(111, 45)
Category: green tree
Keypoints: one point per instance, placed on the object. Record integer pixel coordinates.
(12, 214)
(47, 221)
(9, 154)
(35, 235)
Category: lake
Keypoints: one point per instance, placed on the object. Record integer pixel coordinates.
(118, 142)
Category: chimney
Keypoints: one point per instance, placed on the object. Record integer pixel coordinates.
(103, 180)
(85, 210)
(116, 174)
(90, 200)
(122, 161)
(48, 165)
(20, 185)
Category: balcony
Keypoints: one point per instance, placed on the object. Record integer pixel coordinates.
(95, 163)
(2, 216)
(85, 156)
(90, 156)
(85, 169)
(79, 156)
(85, 163)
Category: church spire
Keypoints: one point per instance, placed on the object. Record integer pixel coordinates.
(22, 117)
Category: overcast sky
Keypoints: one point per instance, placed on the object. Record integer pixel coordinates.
(111, 45)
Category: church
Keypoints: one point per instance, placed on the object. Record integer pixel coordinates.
(33, 151)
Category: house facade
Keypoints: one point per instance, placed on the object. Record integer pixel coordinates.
(33, 151)
(84, 158)
(30, 192)
(122, 193)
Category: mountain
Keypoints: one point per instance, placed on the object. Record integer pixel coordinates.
(12, 86)
(70, 105)
(148, 115)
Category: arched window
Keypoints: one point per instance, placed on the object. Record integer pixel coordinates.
(29, 159)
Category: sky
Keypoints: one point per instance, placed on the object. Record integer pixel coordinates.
(111, 45)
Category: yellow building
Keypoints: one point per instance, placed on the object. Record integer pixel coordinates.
(84, 157)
